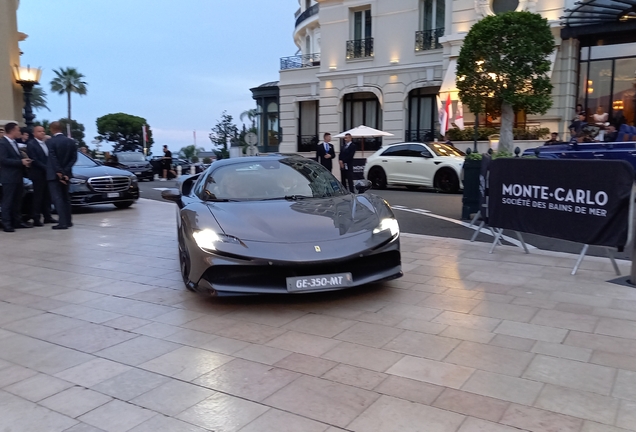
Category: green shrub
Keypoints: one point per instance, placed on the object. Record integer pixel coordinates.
(468, 134)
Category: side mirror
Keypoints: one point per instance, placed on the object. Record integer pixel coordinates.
(362, 186)
(426, 155)
(171, 195)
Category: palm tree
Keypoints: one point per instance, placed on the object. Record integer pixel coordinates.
(251, 116)
(68, 81)
(38, 99)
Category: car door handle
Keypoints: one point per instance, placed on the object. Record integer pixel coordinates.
(384, 160)
(599, 154)
(409, 161)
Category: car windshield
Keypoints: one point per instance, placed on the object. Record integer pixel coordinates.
(130, 157)
(290, 178)
(85, 161)
(441, 149)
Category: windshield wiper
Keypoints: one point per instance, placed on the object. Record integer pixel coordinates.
(288, 198)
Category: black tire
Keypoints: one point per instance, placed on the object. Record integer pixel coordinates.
(377, 177)
(446, 181)
(412, 187)
(184, 266)
(123, 204)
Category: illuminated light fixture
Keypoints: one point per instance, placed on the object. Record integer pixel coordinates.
(27, 77)
(395, 61)
(590, 90)
(333, 68)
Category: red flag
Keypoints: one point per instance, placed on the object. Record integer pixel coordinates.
(144, 132)
(449, 113)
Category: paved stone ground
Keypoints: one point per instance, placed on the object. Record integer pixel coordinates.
(97, 333)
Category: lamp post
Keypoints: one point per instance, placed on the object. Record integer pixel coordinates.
(27, 77)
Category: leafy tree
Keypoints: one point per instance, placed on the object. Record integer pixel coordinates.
(190, 152)
(77, 130)
(68, 81)
(224, 131)
(503, 65)
(124, 131)
(207, 160)
(38, 99)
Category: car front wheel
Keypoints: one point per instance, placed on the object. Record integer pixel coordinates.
(377, 177)
(446, 181)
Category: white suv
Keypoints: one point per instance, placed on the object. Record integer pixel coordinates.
(413, 165)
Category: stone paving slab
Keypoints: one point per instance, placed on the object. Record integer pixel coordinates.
(97, 333)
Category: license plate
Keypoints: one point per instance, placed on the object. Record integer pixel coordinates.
(138, 173)
(318, 283)
(112, 195)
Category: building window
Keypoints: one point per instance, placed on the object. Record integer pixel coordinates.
(361, 45)
(422, 116)
(307, 126)
(607, 87)
(502, 6)
(363, 109)
(433, 16)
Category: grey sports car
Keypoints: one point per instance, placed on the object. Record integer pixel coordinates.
(281, 224)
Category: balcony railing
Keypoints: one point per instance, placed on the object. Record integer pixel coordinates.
(300, 61)
(428, 39)
(307, 143)
(361, 48)
(313, 10)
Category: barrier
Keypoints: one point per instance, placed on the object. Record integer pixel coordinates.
(585, 201)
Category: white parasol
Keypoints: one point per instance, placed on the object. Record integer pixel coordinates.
(363, 132)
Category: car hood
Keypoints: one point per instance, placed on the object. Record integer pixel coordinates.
(308, 220)
(98, 171)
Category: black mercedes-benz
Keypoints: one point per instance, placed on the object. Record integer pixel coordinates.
(94, 183)
(281, 224)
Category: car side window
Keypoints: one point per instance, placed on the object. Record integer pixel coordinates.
(399, 150)
(416, 150)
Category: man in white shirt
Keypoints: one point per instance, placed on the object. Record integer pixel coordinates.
(325, 152)
(39, 153)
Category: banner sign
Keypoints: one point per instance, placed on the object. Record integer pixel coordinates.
(584, 201)
(358, 168)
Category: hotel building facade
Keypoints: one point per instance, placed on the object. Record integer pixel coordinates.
(382, 63)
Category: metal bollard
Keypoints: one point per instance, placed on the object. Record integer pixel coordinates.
(193, 170)
(179, 170)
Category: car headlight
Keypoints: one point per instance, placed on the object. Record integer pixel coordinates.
(388, 224)
(77, 181)
(208, 240)
(134, 179)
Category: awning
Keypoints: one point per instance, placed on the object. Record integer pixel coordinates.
(448, 85)
(594, 12)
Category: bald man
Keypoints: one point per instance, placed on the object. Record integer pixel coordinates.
(39, 154)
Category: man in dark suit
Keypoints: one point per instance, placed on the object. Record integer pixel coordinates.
(325, 152)
(39, 154)
(347, 152)
(62, 157)
(12, 169)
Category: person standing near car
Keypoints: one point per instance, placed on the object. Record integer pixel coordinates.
(166, 162)
(347, 153)
(39, 154)
(12, 169)
(325, 152)
(59, 171)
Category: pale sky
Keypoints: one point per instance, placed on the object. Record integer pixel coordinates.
(178, 64)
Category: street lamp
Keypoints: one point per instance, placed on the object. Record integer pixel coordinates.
(27, 77)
